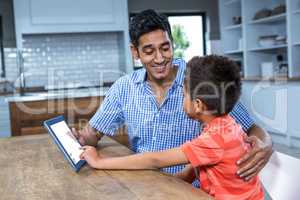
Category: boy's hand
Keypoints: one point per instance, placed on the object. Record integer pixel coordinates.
(90, 155)
(187, 174)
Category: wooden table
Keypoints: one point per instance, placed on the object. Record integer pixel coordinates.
(31, 167)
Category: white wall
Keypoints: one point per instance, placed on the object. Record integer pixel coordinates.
(78, 59)
(208, 6)
(75, 59)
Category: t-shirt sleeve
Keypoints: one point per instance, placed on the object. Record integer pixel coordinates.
(204, 150)
(109, 117)
(242, 116)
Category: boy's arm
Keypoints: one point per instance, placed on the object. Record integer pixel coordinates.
(149, 160)
(187, 174)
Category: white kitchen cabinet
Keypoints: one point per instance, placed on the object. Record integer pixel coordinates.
(242, 39)
(4, 118)
(294, 110)
(67, 16)
(274, 106)
(268, 104)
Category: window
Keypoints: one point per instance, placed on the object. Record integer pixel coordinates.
(188, 32)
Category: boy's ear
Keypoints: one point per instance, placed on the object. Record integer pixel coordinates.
(134, 52)
(199, 106)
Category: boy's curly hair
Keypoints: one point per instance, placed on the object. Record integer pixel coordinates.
(216, 81)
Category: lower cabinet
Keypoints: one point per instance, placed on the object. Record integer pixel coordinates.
(27, 117)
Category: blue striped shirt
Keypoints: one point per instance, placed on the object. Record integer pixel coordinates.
(152, 127)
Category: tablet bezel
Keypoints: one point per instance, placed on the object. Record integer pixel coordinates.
(48, 123)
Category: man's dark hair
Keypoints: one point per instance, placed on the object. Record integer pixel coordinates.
(216, 81)
(145, 22)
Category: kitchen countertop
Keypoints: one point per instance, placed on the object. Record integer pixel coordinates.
(33, 168)
(58, 94)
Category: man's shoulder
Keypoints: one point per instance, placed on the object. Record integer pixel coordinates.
(129, 80)
(137, 75)
(180, 62)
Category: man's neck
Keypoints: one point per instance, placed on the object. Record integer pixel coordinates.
(163, 83)
(161, 87)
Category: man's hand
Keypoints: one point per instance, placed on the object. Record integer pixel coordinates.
(90, 155)
(253, 161)
(86, 136)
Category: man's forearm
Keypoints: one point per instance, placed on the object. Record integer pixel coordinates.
(260, 133)
(253, 161)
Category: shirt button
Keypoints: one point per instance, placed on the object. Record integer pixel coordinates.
(154, 138)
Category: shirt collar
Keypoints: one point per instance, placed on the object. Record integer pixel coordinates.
(141, 76)
(180, 63)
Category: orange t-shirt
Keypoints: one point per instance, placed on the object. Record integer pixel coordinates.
(215, 153)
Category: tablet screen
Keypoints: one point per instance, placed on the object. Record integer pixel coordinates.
(67, 139)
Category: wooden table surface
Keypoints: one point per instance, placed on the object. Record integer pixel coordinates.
(32, 167)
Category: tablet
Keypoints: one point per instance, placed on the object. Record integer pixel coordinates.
(65, 140)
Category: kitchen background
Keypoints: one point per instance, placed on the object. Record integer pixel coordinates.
(77, 45)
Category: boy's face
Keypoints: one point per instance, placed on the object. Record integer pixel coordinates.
(156, 53)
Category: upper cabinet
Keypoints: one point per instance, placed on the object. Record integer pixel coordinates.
(69, 16)
(263, 36)
(66, 16)
(57, 16)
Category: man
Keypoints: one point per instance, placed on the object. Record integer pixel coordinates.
(149, 101)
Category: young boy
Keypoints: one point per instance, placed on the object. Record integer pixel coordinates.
(212, 87)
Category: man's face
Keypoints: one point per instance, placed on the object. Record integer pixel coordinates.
(155, 52)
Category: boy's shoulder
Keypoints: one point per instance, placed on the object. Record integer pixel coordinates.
(224, 127)
(232, 132)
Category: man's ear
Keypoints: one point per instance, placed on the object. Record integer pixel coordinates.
(199, 106)
(134, 52)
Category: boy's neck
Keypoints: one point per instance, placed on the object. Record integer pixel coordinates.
(206, 118)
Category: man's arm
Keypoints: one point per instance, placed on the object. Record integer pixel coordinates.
(108, 118)
(148, 160)
(87, 136)
(252, 162)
